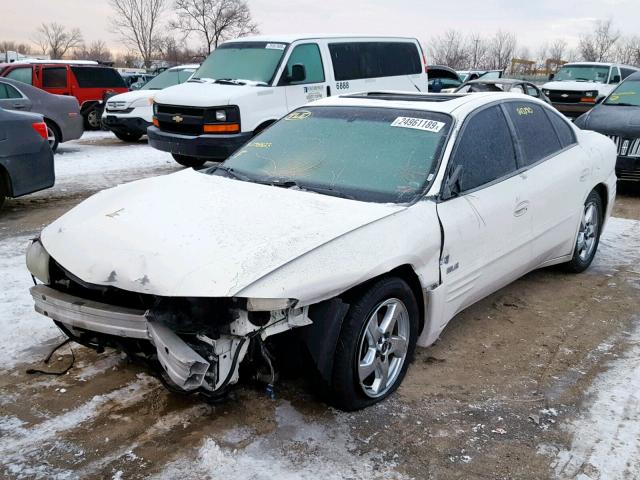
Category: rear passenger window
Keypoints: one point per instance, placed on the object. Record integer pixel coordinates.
(565, 132)
(486, 150)
(24, 75)
(98, 77)
(353, 61)
(309, 56)
(534, 130)
(12, 92)
(54, 77)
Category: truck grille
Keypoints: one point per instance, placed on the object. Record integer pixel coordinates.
(565, 96)
(178, 119)
(627, 147)
(116, 105)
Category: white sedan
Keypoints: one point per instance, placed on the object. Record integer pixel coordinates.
(365, 222)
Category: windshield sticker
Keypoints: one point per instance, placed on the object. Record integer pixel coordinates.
(524, 111)
(299, 115)
(275, 46)
(418, 124)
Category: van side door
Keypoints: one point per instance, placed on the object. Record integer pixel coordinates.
(361, 66)
(303, 77)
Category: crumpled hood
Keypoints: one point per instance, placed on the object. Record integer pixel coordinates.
(204, 94)
(612, 120)
(192, 234)
(577, 86)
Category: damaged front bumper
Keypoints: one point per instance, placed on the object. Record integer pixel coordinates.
(203, 363)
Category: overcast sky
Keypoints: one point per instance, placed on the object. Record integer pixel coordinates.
(532, 21)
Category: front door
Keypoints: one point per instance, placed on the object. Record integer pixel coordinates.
(487, 226)
(12, 99)
(312, 85)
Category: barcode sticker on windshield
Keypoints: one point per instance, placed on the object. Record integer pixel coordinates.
(275, 46)
(418, 124)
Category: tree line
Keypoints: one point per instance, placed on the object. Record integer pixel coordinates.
(603, 42)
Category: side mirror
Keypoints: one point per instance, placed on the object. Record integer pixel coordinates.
(552, 76)
(298, 73)
(436, 86)
(452, 184)
(615, 79)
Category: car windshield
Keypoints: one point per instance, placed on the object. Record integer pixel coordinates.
(628, 93)
(583, 73)
(369, 154)
(168, 78)
(255, 61)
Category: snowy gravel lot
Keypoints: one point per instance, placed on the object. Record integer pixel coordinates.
(540, 380)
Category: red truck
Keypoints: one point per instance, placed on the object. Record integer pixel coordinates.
(90, 83)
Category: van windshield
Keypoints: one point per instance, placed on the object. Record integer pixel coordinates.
(364, 153)
(582, 73)
(254, 61)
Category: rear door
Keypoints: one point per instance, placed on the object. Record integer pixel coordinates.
(555, 178)
(314, 84)
(487, 226)
(56, 80)
(361, 66)
(12, 99)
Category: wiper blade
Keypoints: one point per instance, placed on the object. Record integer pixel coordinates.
(228, 81)
(231, 172)
(622, 104)
(330, 191)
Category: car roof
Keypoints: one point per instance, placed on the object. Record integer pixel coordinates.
(56, 62)
(185, 67)
(498, 80)
(447, 103)
(600, 64)
(290, 38)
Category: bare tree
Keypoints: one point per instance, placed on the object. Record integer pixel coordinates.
(449, 49)
(54, 39)
(558, 49)
(501, 50)
(476, 48)
(597, 46)
(137, 22)
(10, 46)
(628, 51)
(97, 51)
(214, 20)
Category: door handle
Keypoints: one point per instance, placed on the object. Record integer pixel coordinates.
(521, 209)
(18, 106)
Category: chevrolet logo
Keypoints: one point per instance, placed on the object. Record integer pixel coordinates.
(177, 119)
(564, 95)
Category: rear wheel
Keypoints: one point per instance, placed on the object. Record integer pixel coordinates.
(376, 344)
(128, 136)
(92, 119)
(588, 235)
(193, 162)
(53, 135)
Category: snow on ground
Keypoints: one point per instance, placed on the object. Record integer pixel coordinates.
(296, 450)
(606, 436)
(99, 160)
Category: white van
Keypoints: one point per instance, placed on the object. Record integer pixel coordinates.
(578, 86)
(247, 84)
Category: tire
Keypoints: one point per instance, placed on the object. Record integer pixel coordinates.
(92, 120)
(588, 237)
(53, 133)
(128, 137)
(193, 162)
(363, 343)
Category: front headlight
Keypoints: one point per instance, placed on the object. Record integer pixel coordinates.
(591, 94)
(38, 261)
(155, 108)
(269, 304)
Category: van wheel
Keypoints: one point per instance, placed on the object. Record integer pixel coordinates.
(376, 344)
(588, 235)
(128, 137)
(92, 119)
(193, 162)
(53, 135)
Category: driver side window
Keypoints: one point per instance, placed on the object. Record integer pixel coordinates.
(307, 55)
(485, 150)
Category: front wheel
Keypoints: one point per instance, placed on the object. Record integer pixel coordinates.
(128, 136)
(376, 344)
(193, 162)
(588, 235)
